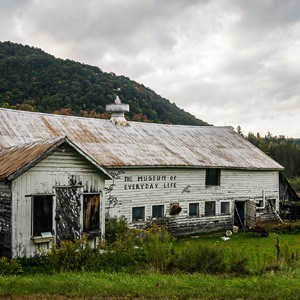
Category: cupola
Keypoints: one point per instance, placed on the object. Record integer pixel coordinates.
(117, 110)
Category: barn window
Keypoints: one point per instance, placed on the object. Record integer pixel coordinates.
(210, 208)
(225, 208)
(212, 177)
(42, 207)
(194, 209)
(138, 214)
(157, 211)
(91, 212)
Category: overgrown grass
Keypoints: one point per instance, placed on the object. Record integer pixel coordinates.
(261, 252)
(152, 264)
(153, 286)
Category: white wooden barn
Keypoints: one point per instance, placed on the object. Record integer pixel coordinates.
(60, 175)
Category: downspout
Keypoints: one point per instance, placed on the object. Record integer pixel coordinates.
(264, 201)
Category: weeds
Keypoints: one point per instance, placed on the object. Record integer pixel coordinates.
(154, 250)
(10, 266)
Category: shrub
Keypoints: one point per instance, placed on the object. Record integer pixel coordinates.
(125, 254)
(10, 266)
(115, 227)
(157, 244)
(210, 259)
(287, 227)
(73, 256)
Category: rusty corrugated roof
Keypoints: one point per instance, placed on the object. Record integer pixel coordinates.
(137, 145)
(14, 158)
(17, 159)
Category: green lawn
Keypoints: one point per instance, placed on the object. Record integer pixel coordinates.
(153, 286)
(259, 250)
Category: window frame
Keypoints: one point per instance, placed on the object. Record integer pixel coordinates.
(229, 208)
(138, 220)
(162, 211)
(34, 231)
(214, 209)
(197, 210)
(212, 179)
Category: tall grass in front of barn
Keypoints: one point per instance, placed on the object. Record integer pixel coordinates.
(154, 250)
(152, 264)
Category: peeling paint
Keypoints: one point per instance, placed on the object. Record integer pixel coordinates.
(5, 222)
(67, 214)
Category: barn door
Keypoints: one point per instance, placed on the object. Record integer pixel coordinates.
(91, 212)
(250, 216)
(239, 214)
(67, 214)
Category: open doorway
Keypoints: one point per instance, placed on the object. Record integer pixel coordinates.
(239, 214)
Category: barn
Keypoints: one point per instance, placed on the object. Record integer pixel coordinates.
(61, 175)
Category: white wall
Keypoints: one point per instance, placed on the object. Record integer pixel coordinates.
(55, 170)
(234, 185)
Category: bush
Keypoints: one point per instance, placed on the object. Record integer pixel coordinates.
(209, 259)
(157, 245)
(73, 256)
(287, 227)
(10, 266)
(115, 227)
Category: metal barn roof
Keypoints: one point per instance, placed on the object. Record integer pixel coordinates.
(15, 160)
(139, 144)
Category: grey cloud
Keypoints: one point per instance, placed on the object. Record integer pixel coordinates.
(229, 62)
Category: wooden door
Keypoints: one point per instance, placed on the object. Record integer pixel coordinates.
(91, 212)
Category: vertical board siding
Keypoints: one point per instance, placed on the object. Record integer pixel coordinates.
(68, 208)
(63, 168)
(5, 220)
(147, 187)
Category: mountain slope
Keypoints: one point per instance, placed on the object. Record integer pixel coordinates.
(31, 79)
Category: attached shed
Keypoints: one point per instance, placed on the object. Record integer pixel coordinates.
(50, 191)
(192, 178)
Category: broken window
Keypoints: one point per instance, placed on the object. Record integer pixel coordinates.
(212, 177)
(210, 208)
(157, 211)
(260, 203)
(194, 209)
(138, 214)
(225, 208)
(42, 207)
(91, 212)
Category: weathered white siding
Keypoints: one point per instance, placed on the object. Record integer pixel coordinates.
(148, 187)
(64, 167)
(5, 218)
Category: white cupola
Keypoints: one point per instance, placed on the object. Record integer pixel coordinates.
(117, 110)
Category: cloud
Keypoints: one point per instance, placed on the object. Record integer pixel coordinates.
(228, 62)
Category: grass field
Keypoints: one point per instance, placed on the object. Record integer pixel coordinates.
(259, 250)
(152, 286)
(261, 283)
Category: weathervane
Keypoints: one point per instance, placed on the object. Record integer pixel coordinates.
(117, 100)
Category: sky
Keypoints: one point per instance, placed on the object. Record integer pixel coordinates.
(228, 62)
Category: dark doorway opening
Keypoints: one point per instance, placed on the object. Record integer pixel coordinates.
(239, 214)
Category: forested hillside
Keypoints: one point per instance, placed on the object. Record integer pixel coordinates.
(285, 151)
(31, 79)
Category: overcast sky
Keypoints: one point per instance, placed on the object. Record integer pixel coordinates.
(227, 62)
